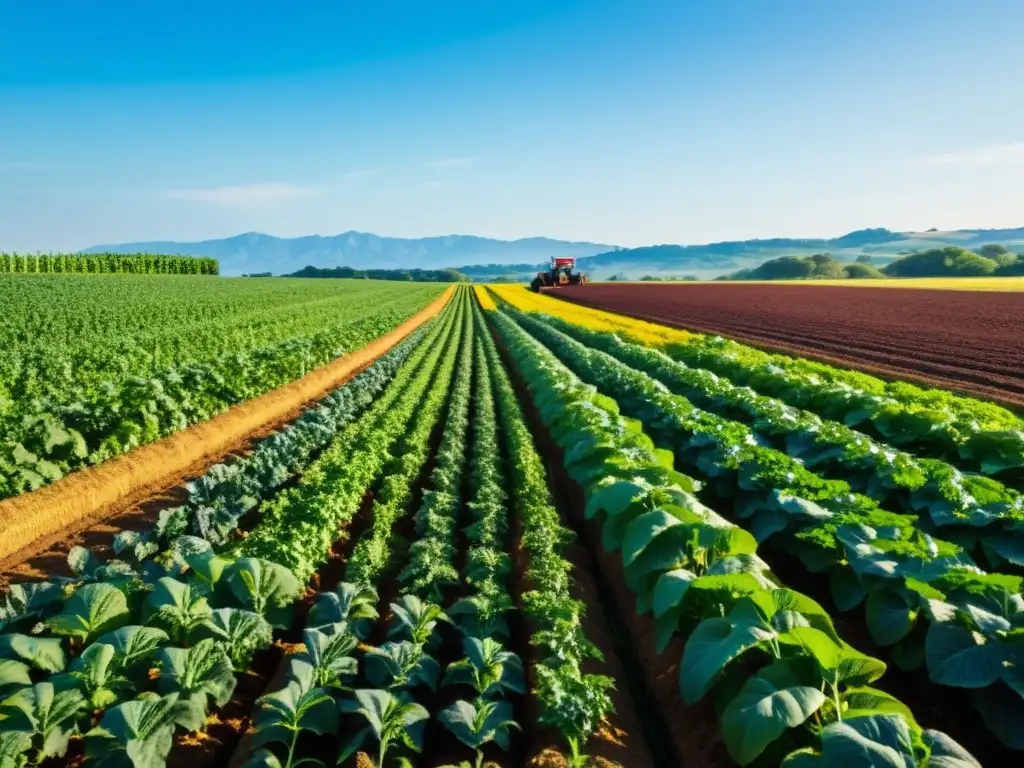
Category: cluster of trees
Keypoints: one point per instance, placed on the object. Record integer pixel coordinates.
(989, 260)
(951, 261)
(412, 275)
(820, 266)
(108, 263)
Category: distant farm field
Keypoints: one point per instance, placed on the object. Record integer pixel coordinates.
(95, 365)
(928, 283)
(968, 340)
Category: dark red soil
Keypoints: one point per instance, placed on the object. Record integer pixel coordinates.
(967, 341)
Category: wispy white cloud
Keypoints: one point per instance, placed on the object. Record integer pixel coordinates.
(452, 162)
(244, 195)
(1009, 154)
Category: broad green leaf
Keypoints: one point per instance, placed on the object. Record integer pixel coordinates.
(95, 675)
(670, 589)
(863, 702)
(92, 610)
(784, 608)
(136, 734)
(713, 644)
(879, 741)
(46, 713)
(768, 704)
(889, 618)
(282, 713)
(822, 648)
(353, 604)
(13, 674)
(198, 675)
(959, 657)
(400, 665)
(481, 723)
(45, 653)
(244, 632)
(946, 753)
(13, 746)
(177, 608)
(391, 720)
(643, 530)
(328, 650)
(614, 498)
(266, 588)
(847, 590)
(133, 644)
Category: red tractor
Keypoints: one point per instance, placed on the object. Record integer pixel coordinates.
(560, 273)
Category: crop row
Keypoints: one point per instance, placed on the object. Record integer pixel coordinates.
(924, 597)
(986, 516)
(108, 263)
(56, 417)
(193, 613)
(786, 686)
(132, 652)
(389, 695)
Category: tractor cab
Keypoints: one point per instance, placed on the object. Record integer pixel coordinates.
(561, 272)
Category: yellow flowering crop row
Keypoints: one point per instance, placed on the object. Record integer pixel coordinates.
(485, 299)
(650, 334)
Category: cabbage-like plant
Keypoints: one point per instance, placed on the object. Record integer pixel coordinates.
(136, 734)
(286, 713)
(328, 652)
(391, 722)
(95, 674)
(356, 605)
(400, 666)
(133, 645)
(92, 610)
(198, 675)
(243, 632)
(488, 668)
(415, 619)
(177, 608)
(480, 723)
(28, 601)
(46, 714)
(88, 567)
(263, 587)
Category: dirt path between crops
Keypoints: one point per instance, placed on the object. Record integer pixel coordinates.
(965, 341)
(122, 492)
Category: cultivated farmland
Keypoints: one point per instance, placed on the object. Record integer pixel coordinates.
(964, 339)
(513, 531)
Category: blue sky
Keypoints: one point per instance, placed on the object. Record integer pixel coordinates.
(617, 121)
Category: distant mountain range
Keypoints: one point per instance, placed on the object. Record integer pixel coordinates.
(483, 257)
(256, 252)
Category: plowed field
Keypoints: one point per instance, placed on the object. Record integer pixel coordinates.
(971, 342)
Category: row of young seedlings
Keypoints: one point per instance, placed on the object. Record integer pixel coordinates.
(320, 676)
(788, 689)
(388, 689)
(133, 651)
(571, 702)
(924, 598)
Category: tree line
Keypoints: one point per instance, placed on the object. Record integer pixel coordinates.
(107, 263)
(411, 275)
(952, 261)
